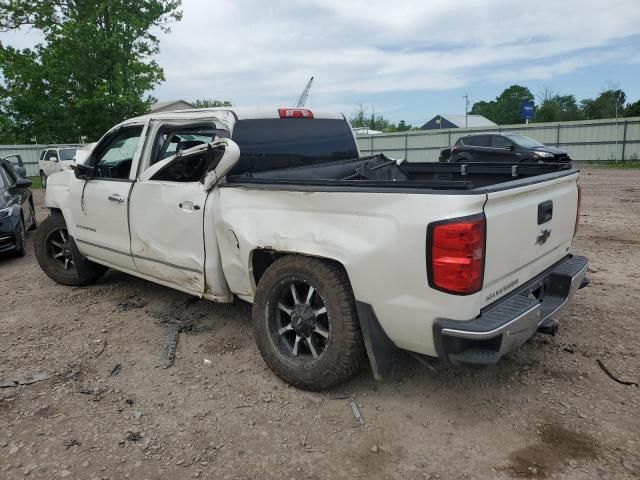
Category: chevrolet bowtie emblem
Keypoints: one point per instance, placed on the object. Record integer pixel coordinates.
(543, 236)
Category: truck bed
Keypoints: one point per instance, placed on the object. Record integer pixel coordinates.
(382, 172)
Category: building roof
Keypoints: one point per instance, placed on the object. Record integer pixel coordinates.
(472, 120)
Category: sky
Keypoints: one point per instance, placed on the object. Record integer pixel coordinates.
(409, 59)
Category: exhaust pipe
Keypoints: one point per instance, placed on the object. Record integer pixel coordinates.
(550, 328)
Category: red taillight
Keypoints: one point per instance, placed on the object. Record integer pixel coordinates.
(295, 113)
(455, 148)
(575, 229)
(455, 251)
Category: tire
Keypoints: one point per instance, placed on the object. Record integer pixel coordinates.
(330, 348)
(43, 179)
(53, 252)
(21, 239)
(34, 222)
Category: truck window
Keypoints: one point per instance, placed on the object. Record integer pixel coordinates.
(185, 168)
(171, 140)
(268, 144)
(114, 156)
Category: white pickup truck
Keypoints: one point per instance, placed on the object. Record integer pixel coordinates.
(341, 256)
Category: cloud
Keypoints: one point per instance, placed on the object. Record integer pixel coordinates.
(264, 52)
(255, 52)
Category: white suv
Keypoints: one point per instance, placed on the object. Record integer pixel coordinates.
(55, 159)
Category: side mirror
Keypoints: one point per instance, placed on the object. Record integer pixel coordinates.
(84, 172)
(53, 159)
(20, 184)
(225, 164)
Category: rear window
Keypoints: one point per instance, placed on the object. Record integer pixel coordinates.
(269, 144)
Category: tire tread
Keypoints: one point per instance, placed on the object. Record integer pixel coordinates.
(349, 359)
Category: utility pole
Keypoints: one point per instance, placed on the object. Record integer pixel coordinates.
(617, 101)
(466, 110)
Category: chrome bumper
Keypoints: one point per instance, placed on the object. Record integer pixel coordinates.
(510, 322)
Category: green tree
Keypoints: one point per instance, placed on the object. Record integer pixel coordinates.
(402, 126)
(632, 109)
(211, 103)
(604, 105)
(505, 109)
(557, 108)
(362, 118)
(93, 70)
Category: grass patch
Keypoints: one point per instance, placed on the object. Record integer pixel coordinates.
(36, 184)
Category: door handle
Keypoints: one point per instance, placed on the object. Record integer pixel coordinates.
(114, 197)
(190, 206)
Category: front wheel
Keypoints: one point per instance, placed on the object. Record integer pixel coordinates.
(21, 239)
(55, 255)
(306, 323)
(32, 212)
(43, 180)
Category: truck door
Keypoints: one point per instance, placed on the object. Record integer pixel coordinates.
(99, 206)
(168, 206)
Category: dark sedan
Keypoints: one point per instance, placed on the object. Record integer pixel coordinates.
(17, 214)
(502, 147)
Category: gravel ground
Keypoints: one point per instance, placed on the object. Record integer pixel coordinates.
(547, 411)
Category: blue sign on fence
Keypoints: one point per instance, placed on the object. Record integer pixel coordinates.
(527, 109)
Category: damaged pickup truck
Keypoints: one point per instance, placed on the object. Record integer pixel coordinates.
(342, 257)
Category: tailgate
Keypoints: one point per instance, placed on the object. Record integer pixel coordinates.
(529, 228)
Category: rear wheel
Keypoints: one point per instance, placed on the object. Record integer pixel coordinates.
(43, 179)
(306, 323)
(55, 256)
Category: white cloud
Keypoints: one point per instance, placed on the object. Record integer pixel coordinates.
(256, 52)
(263, 52)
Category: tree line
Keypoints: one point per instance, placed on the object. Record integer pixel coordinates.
(555, 107)
(505, 109)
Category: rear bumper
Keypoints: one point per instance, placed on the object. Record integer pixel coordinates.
(508, 323)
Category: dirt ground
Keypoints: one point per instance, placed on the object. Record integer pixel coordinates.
(547, 411)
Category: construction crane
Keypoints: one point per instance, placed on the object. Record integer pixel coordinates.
(302, 99)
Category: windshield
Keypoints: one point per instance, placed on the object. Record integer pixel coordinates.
(268, 144)
(523, 141)
(67, 154)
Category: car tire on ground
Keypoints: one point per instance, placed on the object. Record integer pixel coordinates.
(34, 221)
(21, 239)
(43, 180)
(54, 254)
(306, 323)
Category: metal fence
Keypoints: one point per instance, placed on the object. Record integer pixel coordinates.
(592, 140)
(29, 154)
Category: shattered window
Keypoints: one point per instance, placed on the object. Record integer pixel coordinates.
(187, 168)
